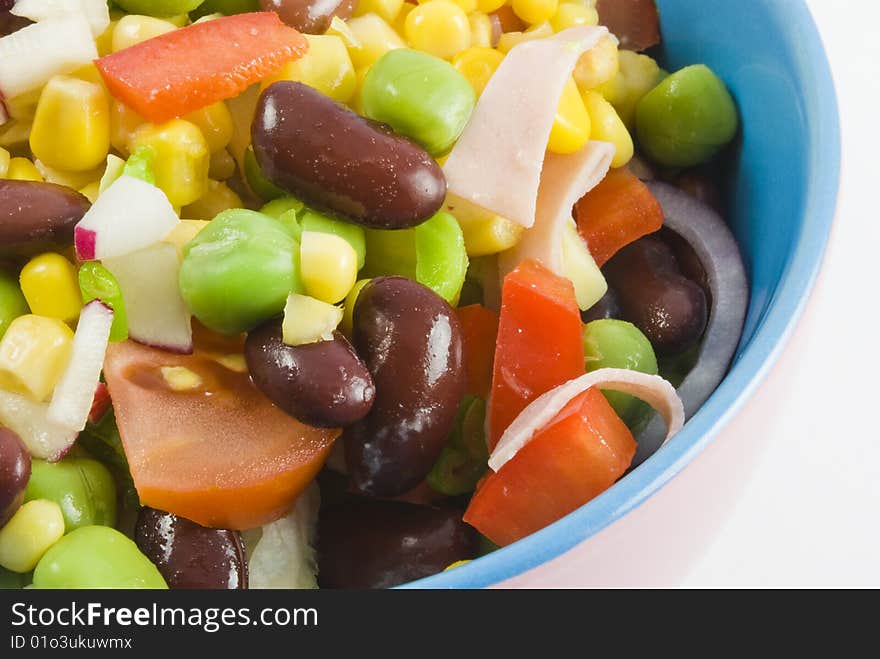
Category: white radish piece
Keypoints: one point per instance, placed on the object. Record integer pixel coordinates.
(75, 391)
(130, 215)
(157, 314)
(497, 161)
(28, 419)
(96, 12)
(652, 389)
(33, 54)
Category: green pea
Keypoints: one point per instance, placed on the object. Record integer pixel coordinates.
(287, 210)
(96, 557)
(258, 183)
(140, 165)
(420, 96)
(612, 343)
(390, 253)
(12, 302)
(160, 8)
(351, 233)
(97, 283)
(239, 270)
(83, 488)
(687, 118)
(464, 459)
(227, 7)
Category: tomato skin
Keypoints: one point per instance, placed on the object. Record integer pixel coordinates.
(479, 329)
(617, 212)
(221, 454)
(539, 342)
(576, 457)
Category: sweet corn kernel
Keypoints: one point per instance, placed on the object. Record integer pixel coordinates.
(452, 566)
(580, 268)
(534, 12)
(123, 123)
(180, 378)
(91, 191)
(326, 66)
(399, 23)
(571, 126)
(375, 36)
(510, 39)
(477, 64)
(339, 28)
(24, 106)
(51, 287)
(328, 265)
(466, 5)
(22, 169)
(357, 102)
(89, 73)
(217, 198)
(215, 122)
(71, 129)
(104, 42)
(348, 308)
(178, 20)
(608, 127)
(484, 232)
(481, 29)
(4, 162)
(387, 9)
(637, 75)
(439, 27)
(233, 361)
(307, 320)
(33, 353)
(182, 159)
(134, 28)
(221, 166)
(598, 65)
(488, 6)
(73, 180)
(35, 527)
(184, 231)
(572, 14)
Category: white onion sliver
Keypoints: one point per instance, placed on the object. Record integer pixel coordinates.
(652, 389)
(96, 12)
(29, 420)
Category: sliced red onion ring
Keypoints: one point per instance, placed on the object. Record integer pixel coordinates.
(652, 389)
(716, 248)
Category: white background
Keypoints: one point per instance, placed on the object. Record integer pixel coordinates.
(810, 515)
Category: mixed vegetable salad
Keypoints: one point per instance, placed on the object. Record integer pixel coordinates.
(342, 293)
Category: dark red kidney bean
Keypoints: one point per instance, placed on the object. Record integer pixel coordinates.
(687, 259)
(32, 212)
(191, 556)
(410, 340)
(9, 22)
(323, 384)
(15, 471)
(309, 16)
(607, 307)
(365, 543)
(339, 162)
(670, 309)
(635, 22)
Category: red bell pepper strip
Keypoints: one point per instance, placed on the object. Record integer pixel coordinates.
(479, 329)
(618, 211)
(576, 457)
(539, 342)
(185, 70)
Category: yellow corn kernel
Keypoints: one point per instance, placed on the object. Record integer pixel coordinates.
(484, 232)
(184, 231)
(33, 354)
(348, 309)
(571, 126)
(572, 14)
(387, 9)
(598, 65)
(307, 320)
(488, 6)
(357, 102)
(477, 64)
(466, 5)
(91, 191)
(73, 180)
(178, 20)
(22, 169)
(71, 129)
(608, 127)
(534, 12)
(221, 166)
(218, 198)
(637, 75)
(232, 361)
(215, 122)
(4, 162)
(34, 527)
(439, 27)
(452, 566)
(375, 38)
(481, 29)
(23, 106)
(180, 378)
(123, 123)
(339, 28)
(104, 42)
(328, 265)
(326, 66)
(50, 285)
(134, 28)
(399, 23)
(510, 39)
(182, 159)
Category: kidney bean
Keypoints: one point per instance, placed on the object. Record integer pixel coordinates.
(337, 161)
(364, 543)
(410, 340)
(309, 16)
(9, 22)
(668, 308)
(607, 307)
(15, 471)
(687, 259)
(323, 384)
(32, 212)
(189, 555)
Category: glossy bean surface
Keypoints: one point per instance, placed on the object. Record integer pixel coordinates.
(15, 470)
(309, 16)
(38, 213)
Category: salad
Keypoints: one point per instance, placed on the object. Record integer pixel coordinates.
(344, 293)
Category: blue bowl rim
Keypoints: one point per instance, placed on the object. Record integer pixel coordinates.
(755, 363)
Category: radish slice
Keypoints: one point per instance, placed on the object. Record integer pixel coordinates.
(497, 161)
(33, 54)
(43, 438)
(129, 215)
(96, 12)
(75, 391)
(652, 389)
(100, 403)
(157, 314)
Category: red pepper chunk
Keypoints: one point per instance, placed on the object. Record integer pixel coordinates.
(187, 69)
(539, 342)
(576, 457)
(479, 328)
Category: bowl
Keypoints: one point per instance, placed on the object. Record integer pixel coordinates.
(650, 525)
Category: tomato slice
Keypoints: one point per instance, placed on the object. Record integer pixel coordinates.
(218, 453)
